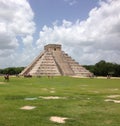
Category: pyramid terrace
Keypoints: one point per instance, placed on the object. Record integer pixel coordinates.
(55, 62)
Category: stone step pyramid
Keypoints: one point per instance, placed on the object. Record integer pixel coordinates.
(55, 62)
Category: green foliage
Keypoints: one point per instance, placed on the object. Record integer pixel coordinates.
(103, 68)
(11, 70)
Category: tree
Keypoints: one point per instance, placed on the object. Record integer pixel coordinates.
(103, 68)
(11, 70)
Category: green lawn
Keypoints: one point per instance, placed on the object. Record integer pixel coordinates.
(82, 101)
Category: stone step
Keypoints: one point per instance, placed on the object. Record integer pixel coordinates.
(54, 62)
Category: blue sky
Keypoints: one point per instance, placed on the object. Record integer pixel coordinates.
(88, 30)
(48, 11)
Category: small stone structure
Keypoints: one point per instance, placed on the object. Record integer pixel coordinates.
(55, 62)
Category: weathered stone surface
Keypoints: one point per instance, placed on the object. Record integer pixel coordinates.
(55, 62)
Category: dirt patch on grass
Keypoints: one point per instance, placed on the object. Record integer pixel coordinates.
(58, 119)
(51, 97)
(108, 100)
(44, 89)
(52, 91)
(113, 96)
(111, 100)
(2, 83)
(30, 99)
(28, 107)
(114, 89)
(116, 101)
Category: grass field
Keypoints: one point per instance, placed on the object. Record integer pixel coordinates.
(84, 101)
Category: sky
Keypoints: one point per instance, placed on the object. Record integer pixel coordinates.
(88, 30)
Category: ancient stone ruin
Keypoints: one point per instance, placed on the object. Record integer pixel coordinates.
(55, 62)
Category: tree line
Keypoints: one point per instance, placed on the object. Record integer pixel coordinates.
(11, 70)
(103, 68)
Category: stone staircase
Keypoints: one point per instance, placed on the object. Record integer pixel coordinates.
(48, 66)
(28, 69)
(76, 68)
(62, 63)
(45, 66)
(55, 62)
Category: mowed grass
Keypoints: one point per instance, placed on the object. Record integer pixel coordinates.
(82, 101)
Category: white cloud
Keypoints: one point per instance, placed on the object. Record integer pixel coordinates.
(88, 41)
(28, 40)
(91, 40)
(16, 29)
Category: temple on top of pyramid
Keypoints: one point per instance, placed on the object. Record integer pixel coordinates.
(55, 62)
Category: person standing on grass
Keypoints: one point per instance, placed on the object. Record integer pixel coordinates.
(6, 77)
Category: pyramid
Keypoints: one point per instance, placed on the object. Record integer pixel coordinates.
(54, 62)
